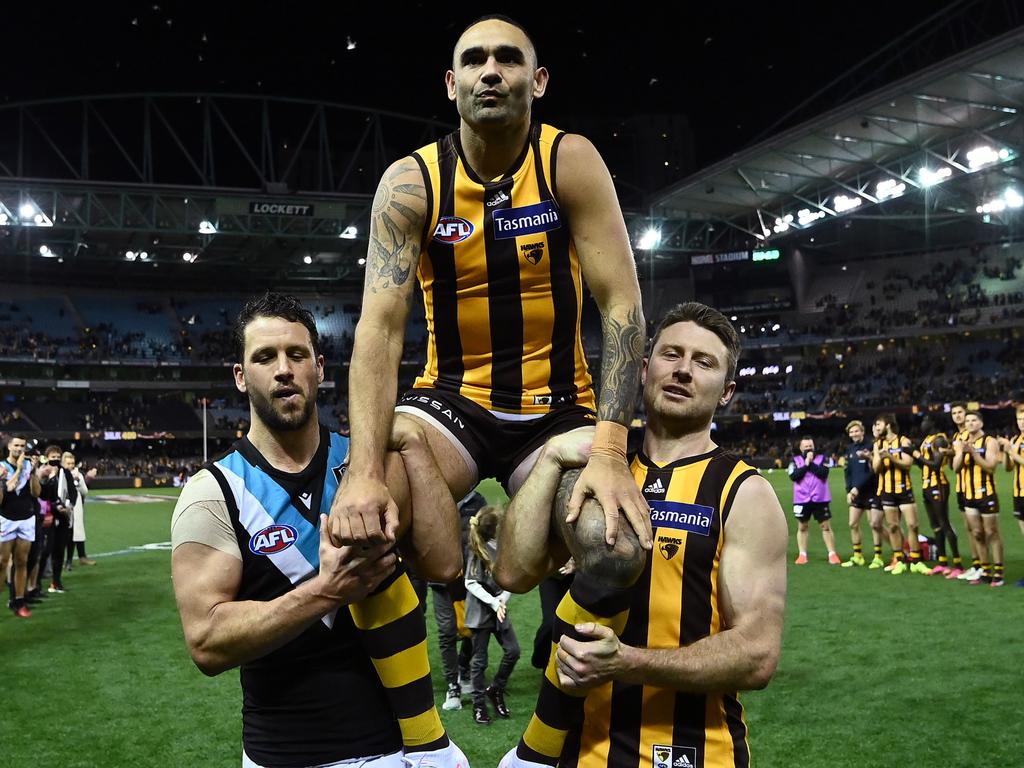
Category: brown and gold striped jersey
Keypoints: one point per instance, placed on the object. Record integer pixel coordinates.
(892, 478)
(978, 482)
(962, 437)
(933, 478)
(1017, 446)
(502, 286)
(675, 603)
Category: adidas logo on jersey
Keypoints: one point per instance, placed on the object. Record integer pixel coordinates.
(655, 487)
(498, 199)
(682, 762)
(685, 757)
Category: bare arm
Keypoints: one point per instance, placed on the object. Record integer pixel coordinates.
(876, 459)
(938, 454)
(992, 456)
(1010, 456)
(599, 233)
(904, 458)
(752, 584)
(222, 633)
(396, 229)
(958, 455)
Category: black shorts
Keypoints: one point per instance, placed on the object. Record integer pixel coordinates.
(961, 500)
(937, 494)
(867, 497)
(897, 499)
(1018, 507)
(493, 446)
(986, 505)
(819, 510)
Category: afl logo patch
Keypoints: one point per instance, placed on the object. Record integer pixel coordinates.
(273, 539)
(452, 229)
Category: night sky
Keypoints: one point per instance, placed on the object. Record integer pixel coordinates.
(732, 69)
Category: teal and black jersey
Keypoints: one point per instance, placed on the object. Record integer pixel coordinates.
(317, 699)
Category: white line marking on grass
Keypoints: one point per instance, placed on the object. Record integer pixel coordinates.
(158, 546)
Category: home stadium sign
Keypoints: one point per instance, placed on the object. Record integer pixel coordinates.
(268, 208)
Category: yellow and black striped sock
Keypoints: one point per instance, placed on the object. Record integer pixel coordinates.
(898, 554)
(393, 631)
(915, 557)
(858, 549)
(998, 574)
(943, 560)
(559, 710)
(987, 568)
(975, 563)
(878, 551)
(958, 561)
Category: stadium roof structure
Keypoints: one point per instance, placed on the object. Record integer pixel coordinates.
(933, 159)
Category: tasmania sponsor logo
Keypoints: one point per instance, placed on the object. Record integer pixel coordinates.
(693, 518)
(528, 220)
(452, 229)
(273, 539)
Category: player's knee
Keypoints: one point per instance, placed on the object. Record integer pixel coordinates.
(616, 566)
(894, 528)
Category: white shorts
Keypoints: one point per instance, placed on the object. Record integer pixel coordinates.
(394, 760)
(17, 529)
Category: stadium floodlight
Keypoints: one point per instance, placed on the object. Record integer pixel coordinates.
(143, 255)
(928, 177)
(1013, 198)
(349, 233)
(781, 225)
(650, 239)
(27, 210)
(734, 318)
(843, 203)
(806, 216)
(186, 256)
(889, 188)
(361, 261)
(129, 255)
(789, 369)
(981, 156)
(206, 228)
(776, 327)
(307, 259)
(4, 219)
(44, 251)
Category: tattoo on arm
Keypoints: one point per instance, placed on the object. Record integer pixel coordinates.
(621, 356)
(392, 253)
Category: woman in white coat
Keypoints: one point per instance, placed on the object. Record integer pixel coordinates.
(72, 490)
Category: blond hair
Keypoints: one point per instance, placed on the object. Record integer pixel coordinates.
(483, 527)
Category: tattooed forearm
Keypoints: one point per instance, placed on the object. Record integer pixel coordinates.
(395, 225)
(621, 358)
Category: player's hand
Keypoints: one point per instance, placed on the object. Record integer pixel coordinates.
(349, 573)
(608, 480)
(570, 450)
(588, 663)
(363, 512)
(569, 567)
(502, 612)
(45, 472)
(958, 446)
(851, 497)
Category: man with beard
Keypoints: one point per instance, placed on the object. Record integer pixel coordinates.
(697, 619)
(330, 641)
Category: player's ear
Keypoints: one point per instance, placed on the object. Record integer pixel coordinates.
(643, 372)
(320, 369)
(449, 82)
(727, 393)
(239, 374)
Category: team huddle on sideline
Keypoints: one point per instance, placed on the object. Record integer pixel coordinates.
(879, 482)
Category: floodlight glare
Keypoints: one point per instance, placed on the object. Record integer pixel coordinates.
(981, 156)
(349, 233)
(928, 177)
(842, 203)
(650, 239)
(27, 210)
(207, 228)
(307, 259)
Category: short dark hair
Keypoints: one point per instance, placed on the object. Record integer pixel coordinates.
(957, 405)
(889, 419)
(975, 413)
(272, 304)
(508, 20)
(710, 319)
(51, 448)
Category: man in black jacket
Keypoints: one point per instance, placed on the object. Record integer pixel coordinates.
(862, 494)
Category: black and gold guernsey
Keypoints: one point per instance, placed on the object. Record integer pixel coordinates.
(978, 482)
(892, 478)
(932, 478)
(675, 603)
(962, 436)
(1017, 446)
(501, 282)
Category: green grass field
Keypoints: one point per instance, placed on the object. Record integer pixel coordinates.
(876, 670)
